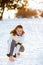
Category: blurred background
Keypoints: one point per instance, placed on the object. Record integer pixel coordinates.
(10, 9)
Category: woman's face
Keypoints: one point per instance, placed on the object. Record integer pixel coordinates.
(19, 31)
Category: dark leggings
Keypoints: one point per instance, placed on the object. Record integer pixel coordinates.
(13, 45)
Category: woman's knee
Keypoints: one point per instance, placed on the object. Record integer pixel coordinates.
(22, 49)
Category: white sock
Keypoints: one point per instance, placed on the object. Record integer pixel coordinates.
(16, 50)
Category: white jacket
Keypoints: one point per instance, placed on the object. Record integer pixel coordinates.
(16, 38)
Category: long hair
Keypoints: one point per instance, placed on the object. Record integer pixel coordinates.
(14, 30)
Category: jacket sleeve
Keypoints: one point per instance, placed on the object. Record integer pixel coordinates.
(22, 39)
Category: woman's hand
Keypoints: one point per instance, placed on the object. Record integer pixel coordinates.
(16, 42)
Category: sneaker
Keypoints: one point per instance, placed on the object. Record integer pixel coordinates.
(18, 54)
(14, 55)
(8, 55)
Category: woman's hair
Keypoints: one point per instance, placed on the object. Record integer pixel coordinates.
(14, 30)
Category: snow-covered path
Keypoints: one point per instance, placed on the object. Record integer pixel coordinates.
(33, 42)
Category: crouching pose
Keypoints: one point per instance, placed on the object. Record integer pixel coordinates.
(16, 40)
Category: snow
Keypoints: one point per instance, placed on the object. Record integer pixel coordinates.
(33, 41)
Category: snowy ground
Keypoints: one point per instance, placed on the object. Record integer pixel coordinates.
(33, 41)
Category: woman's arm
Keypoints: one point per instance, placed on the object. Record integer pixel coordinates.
(22, 39)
